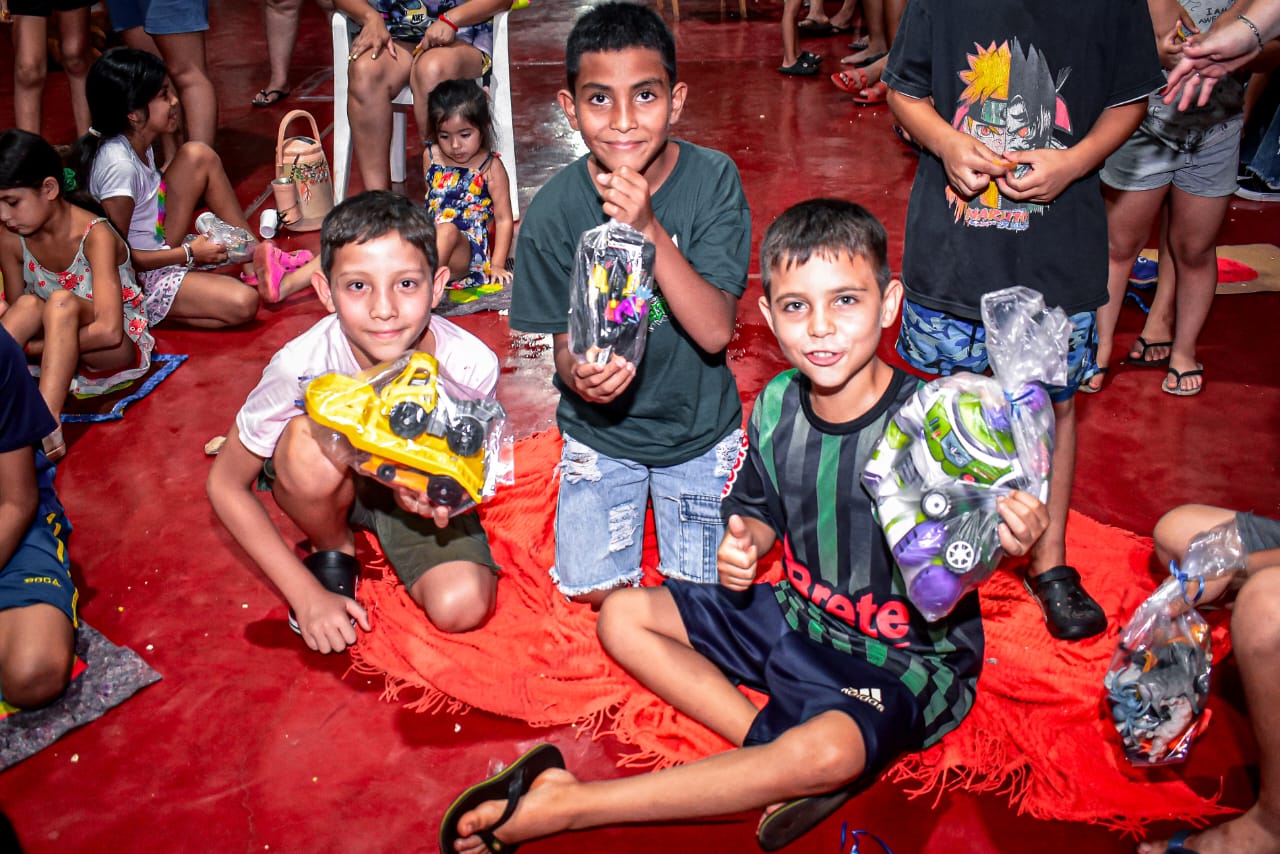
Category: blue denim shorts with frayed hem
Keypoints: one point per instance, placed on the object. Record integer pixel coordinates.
(940, 343)
(600, 516)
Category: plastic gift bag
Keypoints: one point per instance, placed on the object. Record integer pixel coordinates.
(405, 423)
(1158, 681)
(238, 242)
(610, 294)
(963, 441)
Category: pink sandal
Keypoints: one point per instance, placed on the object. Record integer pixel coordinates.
(272, 264)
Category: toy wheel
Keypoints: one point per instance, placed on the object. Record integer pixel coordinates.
(465, 436)
(407, 419)
(386, 473)
(445, 491)
(935, 504)
(960, 556)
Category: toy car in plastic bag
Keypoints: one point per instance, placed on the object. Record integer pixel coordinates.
(610, 294)
(1158, 680)
(406, 424)
(963, 441)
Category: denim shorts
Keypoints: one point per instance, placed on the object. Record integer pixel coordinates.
(172, 17)
(940, 343)
(40, 570)
(754, 645)
(600, 516)
(1208, 170)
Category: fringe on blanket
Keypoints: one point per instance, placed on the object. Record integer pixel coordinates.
(1039, 732)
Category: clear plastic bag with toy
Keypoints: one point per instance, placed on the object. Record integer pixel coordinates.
(963, 441)
(238, 242)
(610, 294)
(406, 423)
(1158, 680)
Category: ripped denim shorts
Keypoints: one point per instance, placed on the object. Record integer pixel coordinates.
(600, 516)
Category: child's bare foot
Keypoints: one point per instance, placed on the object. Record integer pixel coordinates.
(1251, 833)
(536, 815)
(866, 56)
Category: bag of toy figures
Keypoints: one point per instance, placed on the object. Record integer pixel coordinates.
(610, 293)
(405, 423)
(963, 441)
(1158, 681)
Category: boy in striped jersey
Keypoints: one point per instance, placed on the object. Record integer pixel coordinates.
(855, 675)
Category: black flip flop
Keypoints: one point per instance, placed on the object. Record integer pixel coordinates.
(795, 818)
(863, 63)
(1142, 361)
(267, 97)
(511, 784)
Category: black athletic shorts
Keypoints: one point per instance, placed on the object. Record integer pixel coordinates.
(755, 646)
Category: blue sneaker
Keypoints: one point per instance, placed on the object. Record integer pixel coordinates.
(1143, 274)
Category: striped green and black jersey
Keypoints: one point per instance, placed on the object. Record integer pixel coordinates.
(802, 476)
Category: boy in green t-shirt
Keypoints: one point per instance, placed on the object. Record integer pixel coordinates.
(666, 428)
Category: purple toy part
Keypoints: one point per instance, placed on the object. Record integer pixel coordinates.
(920, 546)
(935, 591)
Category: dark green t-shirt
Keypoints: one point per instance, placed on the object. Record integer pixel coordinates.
(682, 400)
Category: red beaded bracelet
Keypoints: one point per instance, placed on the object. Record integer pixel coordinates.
(445, 19)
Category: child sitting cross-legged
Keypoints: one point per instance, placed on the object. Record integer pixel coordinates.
(855, 675)
(379, 282)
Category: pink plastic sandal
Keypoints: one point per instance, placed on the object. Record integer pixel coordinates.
(272, 264)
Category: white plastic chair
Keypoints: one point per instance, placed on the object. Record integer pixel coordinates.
(499, 100)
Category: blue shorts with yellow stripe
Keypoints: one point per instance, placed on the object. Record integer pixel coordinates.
(40, 569)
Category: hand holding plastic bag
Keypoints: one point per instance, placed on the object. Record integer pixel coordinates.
(960, 443)
(407, 424)
(610, 294)
(1158, 681)
(238, 242)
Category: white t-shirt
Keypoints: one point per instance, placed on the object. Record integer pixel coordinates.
(323, 349)
(118, 171)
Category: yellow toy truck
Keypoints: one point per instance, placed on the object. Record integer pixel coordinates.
(406, 431)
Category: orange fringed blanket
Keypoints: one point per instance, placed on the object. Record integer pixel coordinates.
(1039, 732)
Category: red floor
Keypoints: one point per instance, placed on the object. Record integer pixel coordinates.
(251, 743)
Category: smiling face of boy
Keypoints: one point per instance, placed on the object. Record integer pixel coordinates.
(827, 314)
(383, 291)
(623, 104)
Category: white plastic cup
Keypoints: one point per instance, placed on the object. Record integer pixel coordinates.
(268, 224)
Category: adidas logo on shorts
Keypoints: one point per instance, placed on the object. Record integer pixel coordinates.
(870, 696)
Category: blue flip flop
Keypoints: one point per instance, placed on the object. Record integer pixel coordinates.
(1176, 845)
(511, 784)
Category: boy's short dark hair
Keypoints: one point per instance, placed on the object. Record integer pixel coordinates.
(372, 214)
(827, 228)
(617, 26)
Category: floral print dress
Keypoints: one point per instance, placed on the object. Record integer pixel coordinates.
(78, 278)
(460, 195)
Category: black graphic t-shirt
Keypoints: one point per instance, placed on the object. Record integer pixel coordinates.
(1016, 75)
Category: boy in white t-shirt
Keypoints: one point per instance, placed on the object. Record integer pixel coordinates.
(380, 280)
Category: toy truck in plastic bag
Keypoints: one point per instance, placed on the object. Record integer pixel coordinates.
(1158, 681)
(406, 424)
(610, 294)
(963, 441)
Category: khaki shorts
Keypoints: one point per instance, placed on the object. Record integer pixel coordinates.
(412, 544)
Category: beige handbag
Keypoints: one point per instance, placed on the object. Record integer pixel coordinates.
(303, 186)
